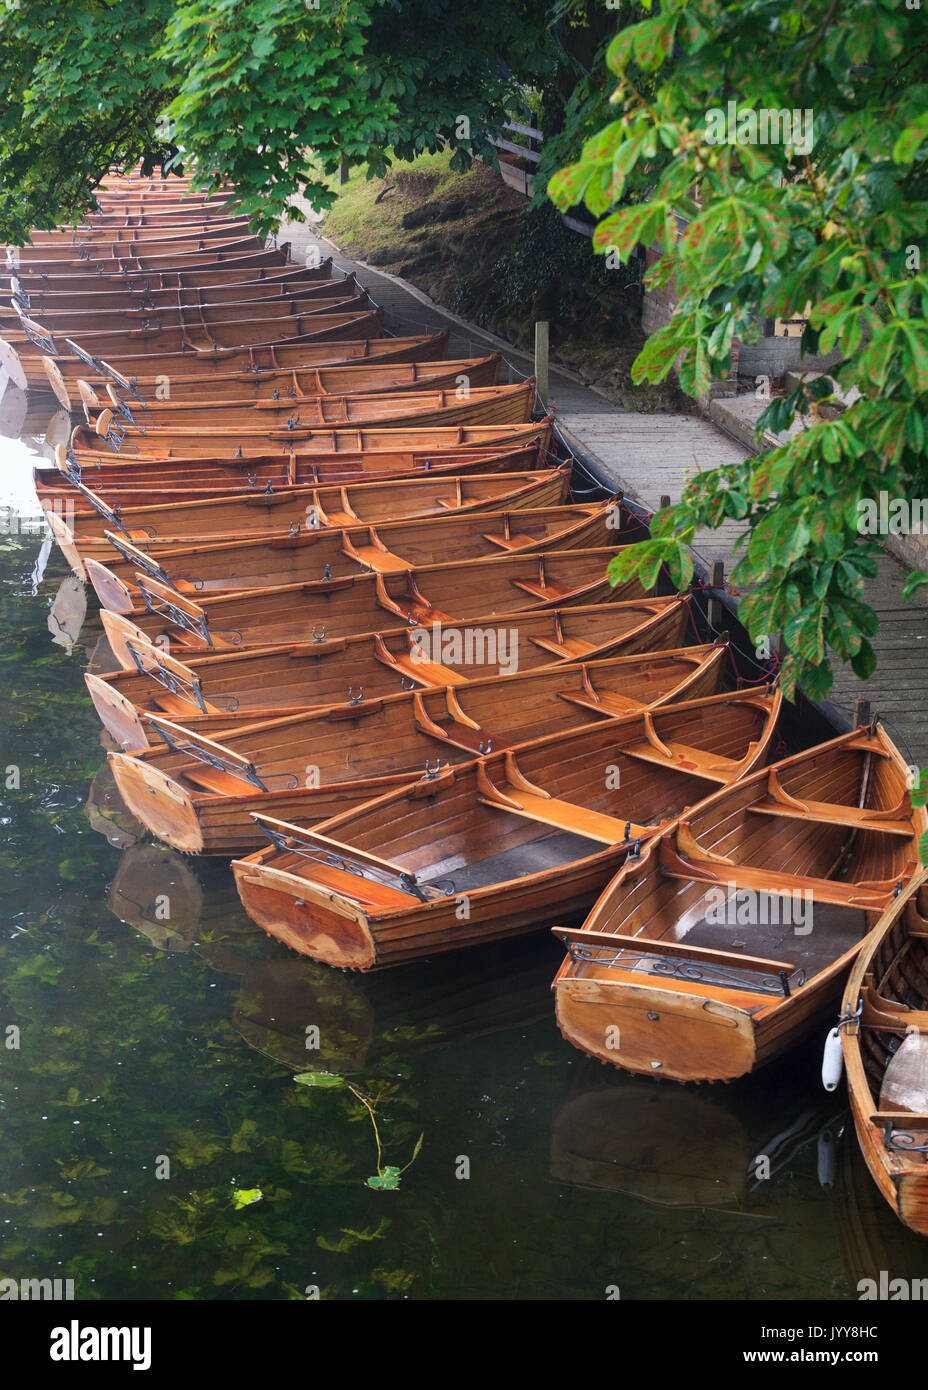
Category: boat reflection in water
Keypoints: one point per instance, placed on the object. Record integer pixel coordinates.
(181, 908)
(363, 1019)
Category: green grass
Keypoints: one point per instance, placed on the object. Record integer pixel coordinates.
(361, 225)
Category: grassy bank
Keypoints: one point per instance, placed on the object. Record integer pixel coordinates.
(476, 247)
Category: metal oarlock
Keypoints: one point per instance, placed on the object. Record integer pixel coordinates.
(173, 683)
(318, 636)
(355, 699)
(430, 772)
(244, 773)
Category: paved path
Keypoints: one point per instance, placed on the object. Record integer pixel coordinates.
(648, 456)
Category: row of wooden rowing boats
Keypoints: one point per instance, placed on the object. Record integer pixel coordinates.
(359, 622)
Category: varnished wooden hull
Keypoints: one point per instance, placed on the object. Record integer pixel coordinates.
(255, 431)
(358, 604)
(263, 391)
(165, 290)
(346, 918)
(276, 472)
(81, 530)
(389, 547)
(180, 308)
(649, 985)
(251, 369)
(140, 355)
(889, 984)
(199, 792)
(322, 673)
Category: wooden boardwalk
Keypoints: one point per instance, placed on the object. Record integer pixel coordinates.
(648, 456)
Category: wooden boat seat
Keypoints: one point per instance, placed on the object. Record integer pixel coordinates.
(681, 755)
(880, 1012)
(384, 561)
(720, 870)
(901, 1119)
(825, 813)
(571, 647)
(524, 799)
(781, 803)
(543, 590)
(359, 888)
(213, 779)
(514, 541)
(607, 703)
(429, 673)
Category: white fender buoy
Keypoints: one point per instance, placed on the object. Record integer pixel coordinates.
(827, 1158)
(832, 1060)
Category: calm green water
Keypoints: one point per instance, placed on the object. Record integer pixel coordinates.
(144, 1038)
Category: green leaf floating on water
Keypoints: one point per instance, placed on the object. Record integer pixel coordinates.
(388, 1180)
(246, 1197)
(318, 1078)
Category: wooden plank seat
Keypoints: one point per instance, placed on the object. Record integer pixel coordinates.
(213, 779)
(780, 803)
(509, 540)
(427, 673)
(826, 813)
(570, 648)
(880, 1012)
(900, 1119)
(607, 704)
(718, 869)
(523, 798)
(543, 589)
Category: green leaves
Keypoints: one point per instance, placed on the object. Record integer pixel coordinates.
(246, 1197)
(750, 232)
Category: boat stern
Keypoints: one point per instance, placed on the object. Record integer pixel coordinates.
(305, 916)
(653, 1030)
(118, 715)
(159, 802)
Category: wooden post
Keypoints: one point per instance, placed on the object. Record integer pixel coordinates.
(664, 502)
(718, 582)
(541, 361)
(861, 712)
(343, 173)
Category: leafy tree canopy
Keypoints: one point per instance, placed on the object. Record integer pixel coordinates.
(837, 223)
(266, 95)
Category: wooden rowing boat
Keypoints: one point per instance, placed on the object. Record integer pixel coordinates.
(288, 390)
(512, 451)
(566, 693)
(199, 792)
(199, 352)
(252, 369)
(884, 1038)
(178, 254)
(492, 849)
(165, 290)
(256, 429)
(101, 240)
(180, 308)
(249, 401)
(734, 933)
(323, 673)
(225, 325)
(81, 530)
(389, 547)
(85, 277)
(363, 603)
